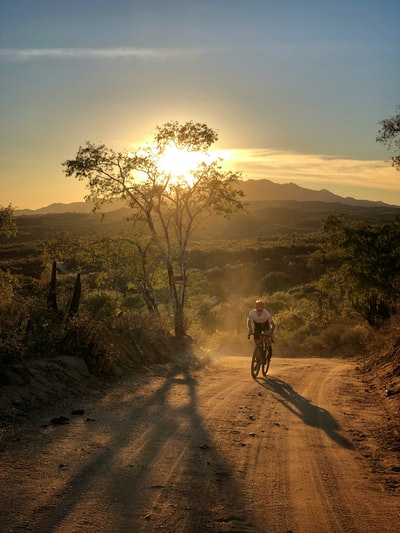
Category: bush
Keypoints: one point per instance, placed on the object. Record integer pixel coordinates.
(102, 304)
(276, 281)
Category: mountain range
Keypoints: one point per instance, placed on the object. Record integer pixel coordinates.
(254, 190)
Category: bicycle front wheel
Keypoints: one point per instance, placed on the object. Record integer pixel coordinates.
(256, 362)
(265, 367)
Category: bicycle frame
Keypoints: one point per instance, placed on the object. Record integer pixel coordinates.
(261, 357)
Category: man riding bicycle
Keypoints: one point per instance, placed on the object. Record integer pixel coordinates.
(260, 320)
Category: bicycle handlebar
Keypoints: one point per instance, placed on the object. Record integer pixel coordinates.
(262, 334)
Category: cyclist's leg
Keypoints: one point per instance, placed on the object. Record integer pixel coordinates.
(257, 334)
(266, 340)
(257, 342)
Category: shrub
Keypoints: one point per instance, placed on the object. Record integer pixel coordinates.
(276, 281)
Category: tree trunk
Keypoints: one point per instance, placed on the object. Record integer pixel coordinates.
(177, 304)
(179, 321)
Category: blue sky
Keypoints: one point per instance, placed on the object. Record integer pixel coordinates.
(295, 88)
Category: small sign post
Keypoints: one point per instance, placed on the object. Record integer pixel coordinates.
(178, 280)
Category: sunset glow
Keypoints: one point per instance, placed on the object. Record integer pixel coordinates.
(180, 163)
(292, 98)
(315, 171)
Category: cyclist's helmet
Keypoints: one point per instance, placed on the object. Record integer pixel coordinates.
(260, 305)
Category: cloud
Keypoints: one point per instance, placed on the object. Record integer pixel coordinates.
(16, 54)
(320, 170)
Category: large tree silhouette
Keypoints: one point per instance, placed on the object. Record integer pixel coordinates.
(171, 206)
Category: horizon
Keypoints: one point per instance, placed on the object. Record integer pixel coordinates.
(348, 198)
(295, 91)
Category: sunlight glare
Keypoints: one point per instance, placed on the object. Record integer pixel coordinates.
(180, 163)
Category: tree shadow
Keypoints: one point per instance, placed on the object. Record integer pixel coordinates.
(206, 471)
(311, 414)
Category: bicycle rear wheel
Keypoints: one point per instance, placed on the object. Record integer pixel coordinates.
(256, 361)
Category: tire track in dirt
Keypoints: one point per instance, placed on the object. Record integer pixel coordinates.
(166, 459)
(247, 444)
(211, 450)
(209, 473)
(326, 482)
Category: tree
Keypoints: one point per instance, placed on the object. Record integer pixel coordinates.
(7, 223)
(173, 204)
(365, 267)
(125, 262)
(389, 136)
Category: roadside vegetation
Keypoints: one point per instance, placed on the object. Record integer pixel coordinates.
(95, 294)
(174, 273)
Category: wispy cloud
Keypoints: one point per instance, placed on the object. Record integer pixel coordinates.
(320, 170)
(15, 54)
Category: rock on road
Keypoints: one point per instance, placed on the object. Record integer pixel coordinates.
(208, 450)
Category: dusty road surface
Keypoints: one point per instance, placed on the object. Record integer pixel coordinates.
(210, 450)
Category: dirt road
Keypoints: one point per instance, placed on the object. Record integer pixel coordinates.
(210, 450)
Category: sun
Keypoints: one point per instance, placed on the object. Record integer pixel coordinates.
(176, 166)
(179, 162)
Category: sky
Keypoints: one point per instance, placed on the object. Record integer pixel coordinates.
(295, 89)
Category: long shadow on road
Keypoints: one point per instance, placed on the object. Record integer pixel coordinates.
(311, 414)
(130, 493)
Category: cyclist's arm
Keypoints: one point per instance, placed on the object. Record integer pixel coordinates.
(271, 325)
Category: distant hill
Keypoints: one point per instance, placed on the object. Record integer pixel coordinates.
(262, 219)
(255, 191)
(266, 219)
(74, 207)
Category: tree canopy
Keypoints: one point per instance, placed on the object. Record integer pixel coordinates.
(365, 261)
(172, 205)
(7, 223)
(389, 136)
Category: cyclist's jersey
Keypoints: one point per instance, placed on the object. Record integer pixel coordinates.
(261, 318)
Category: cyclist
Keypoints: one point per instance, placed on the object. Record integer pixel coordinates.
(260, 319)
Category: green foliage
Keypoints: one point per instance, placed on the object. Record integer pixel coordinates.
(253, 266)
(7, 223)
(306, 326)
(389, 136)
(104, 333)
(83, 337)
(190, 136)
(119, 262)
(99, 304)
(364, 268)
(14, 316)
(341, 339)
(171, 206)
(276, 281)
(114, 326)
(8, 285)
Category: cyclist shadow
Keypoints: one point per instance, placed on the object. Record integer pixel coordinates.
(311, 414)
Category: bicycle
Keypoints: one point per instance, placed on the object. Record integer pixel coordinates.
(261, 357)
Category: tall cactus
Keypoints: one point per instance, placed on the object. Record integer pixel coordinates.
(76, 297)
